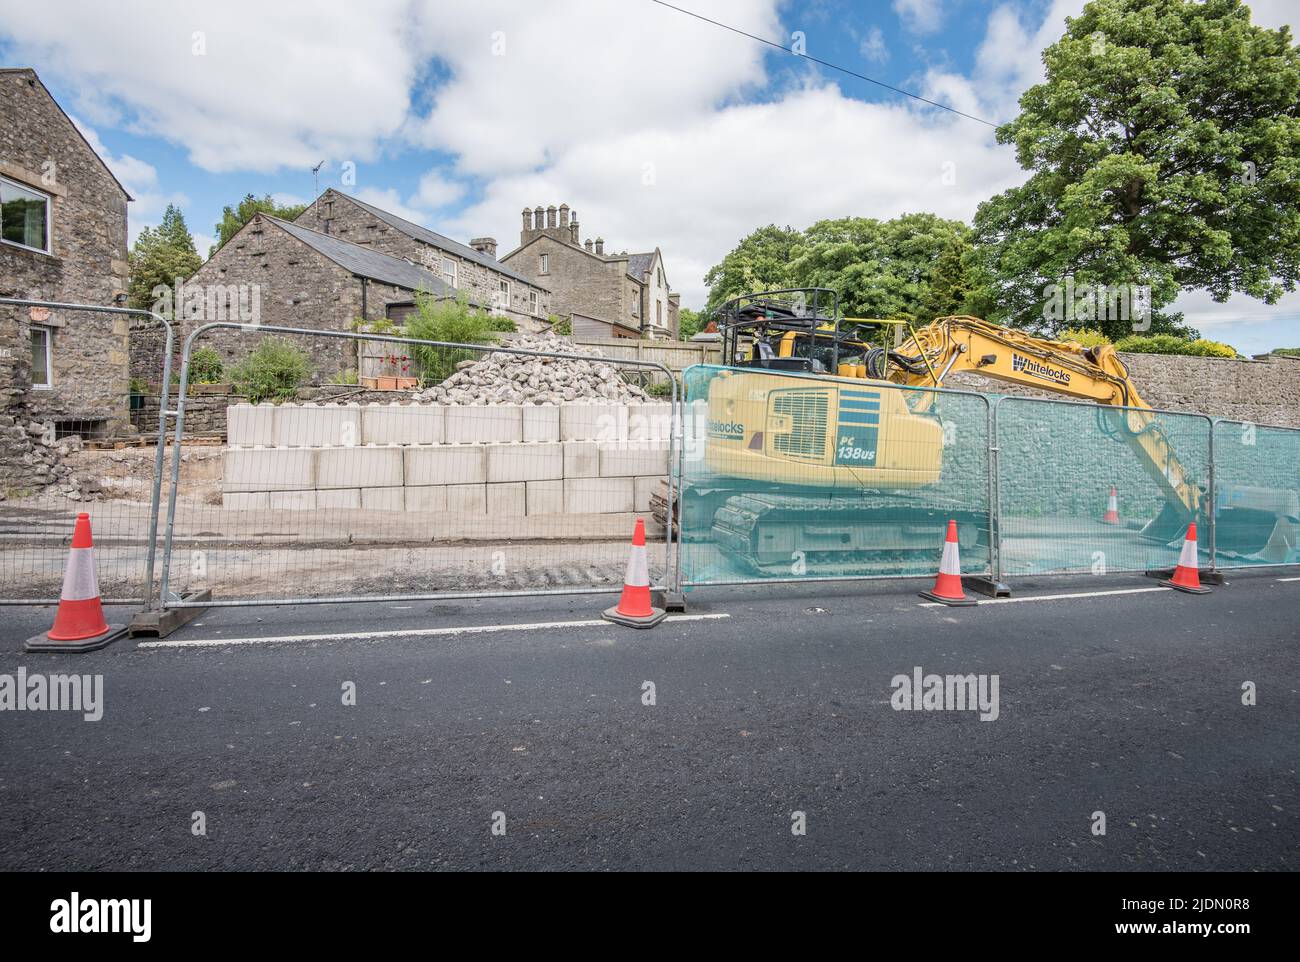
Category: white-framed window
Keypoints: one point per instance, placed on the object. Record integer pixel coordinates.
(504, 287)
(24, 216)
(545, 263)
(659, 313)
(42, 358)
(532, 302)
(636, 305)
(449, 271)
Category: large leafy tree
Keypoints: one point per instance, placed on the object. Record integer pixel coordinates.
(233, 218)
(1164, 147)
(760, 262)
(159, 256)
(915, 266)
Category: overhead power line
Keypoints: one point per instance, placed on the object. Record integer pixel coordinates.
(826, 63)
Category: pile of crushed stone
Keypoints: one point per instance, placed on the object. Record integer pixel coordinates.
(499, 378)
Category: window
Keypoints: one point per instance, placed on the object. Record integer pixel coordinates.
(504, 287)
(449, 271)
(659, 313)
(41, 337)
(532, 302)
(546, 263)
(636, 305)
(24, 217)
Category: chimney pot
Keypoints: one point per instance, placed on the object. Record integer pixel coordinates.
(564, 217)
(600, 246)
(485, 245)
(587, 243)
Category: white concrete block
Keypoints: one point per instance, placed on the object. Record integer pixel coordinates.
(467, 498)
(650, 421)
(426, 497)
(245, 500)
(268, 469)
(544, 497)
(642, 488)
(541, 422)
(633, 458)
(402, 423)
(506, 500)
(315, 426)
(597, 495)
(383, 499)
(249, 425)
(475, 424)
(534, 461)
(359, 467)
(292, 501)
(581, 459)
(592, 422)
(446, 464)
(338, 498)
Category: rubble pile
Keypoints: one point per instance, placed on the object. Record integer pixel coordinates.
(518, 379)
(31, 460)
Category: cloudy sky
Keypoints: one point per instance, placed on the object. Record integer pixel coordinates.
(659, 129)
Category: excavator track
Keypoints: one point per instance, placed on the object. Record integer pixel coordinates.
(773, 534)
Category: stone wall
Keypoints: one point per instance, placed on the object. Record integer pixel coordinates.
(579, 281)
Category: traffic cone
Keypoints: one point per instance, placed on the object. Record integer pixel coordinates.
(1187, 576)
(79, 623)
(947, 586)
(634, 608)
(1112, 508)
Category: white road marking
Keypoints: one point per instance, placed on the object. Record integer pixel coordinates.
(408, 633)
(1078, 594)
(1288, 579)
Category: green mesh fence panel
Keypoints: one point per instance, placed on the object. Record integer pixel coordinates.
(794, 477)
(1257, 503)
(1057, 462)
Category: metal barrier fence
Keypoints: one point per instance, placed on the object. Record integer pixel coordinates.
(118, 484)
(443, 499)
(788, 477)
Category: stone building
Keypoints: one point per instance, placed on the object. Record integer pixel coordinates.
(283, 273)
(472, 269)
(622, 292)
(62, 238)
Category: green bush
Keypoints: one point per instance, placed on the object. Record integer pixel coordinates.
(139, 385)
(659, 389)
(561, 325)
(502, 324)
(451, 322)
(205, 366)
(1171, 344)
(1084, 337)
(274, 371)
(1287, 351)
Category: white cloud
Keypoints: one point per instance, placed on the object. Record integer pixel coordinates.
(139, 178)
(920, 16)
(873, 46)
(436, 191)
(277, 84)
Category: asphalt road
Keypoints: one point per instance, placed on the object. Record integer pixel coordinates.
(1127, 704)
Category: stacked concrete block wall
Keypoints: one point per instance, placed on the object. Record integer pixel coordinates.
(497, 460)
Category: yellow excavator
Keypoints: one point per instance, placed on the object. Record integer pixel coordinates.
(809, 452)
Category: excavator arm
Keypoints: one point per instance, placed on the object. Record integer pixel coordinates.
(1096, 374)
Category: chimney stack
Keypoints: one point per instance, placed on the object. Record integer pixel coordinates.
(550, 216)
(528, 219)
(564, 217)
(600, 246)
(587, 243)
(573, 228)
(485, 245)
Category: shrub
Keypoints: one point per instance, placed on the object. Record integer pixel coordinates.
(561, 325)
(659, 389)
(139, 385)
(1084, 337)
(451, 322)
(502, 324)
(1287, 351)
(274, 371)
(205, 366)
(1171, 344)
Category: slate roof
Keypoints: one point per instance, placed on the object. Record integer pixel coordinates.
(638, 264)
(443, 243)
(364, 262)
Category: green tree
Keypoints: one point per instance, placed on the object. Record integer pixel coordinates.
(159, 256)
(760, 262)
(1164, 150)
(451, 322)
(910, 267)
(233, 218)
(690, 322)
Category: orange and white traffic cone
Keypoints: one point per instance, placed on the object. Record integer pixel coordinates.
(1187, 576)
(947, 586)
(79, 623)
(634, 608)
(1112, 508)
